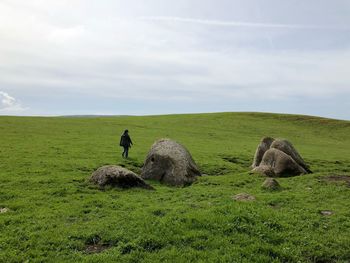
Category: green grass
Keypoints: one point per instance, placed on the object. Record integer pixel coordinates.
(55, 214)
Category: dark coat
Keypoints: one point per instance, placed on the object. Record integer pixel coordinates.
(125, 140)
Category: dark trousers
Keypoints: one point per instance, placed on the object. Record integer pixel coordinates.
(126, 152)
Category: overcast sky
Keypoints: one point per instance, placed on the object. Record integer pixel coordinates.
(65, 57)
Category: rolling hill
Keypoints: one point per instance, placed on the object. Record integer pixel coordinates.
(53, 214)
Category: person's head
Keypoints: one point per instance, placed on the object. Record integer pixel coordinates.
(126, 131)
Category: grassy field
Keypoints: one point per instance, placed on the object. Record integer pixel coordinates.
(55, 215)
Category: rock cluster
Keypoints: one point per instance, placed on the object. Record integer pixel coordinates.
(278, 158)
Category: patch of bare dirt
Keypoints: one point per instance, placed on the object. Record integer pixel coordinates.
(337, 178)
(96, 248)
(275, 206)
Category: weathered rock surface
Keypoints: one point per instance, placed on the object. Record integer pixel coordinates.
(117, 176)
(263, 146)
(278, 163)
(170, 163)
(278, 158)
(286, 147)
(271, 184)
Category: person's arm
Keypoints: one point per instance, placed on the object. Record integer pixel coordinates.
(130, 140)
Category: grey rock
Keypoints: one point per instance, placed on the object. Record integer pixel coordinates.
(271, 184)
(263, 146)
(326, 212)
(276, 163)
(286, 147)
(4, 210)
(170, 163)
(117, 176)
(278, 157)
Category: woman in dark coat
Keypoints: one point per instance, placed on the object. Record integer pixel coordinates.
(125, 142)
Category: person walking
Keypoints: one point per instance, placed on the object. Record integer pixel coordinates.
(125, 142)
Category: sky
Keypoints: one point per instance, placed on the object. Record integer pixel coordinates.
(134, 57)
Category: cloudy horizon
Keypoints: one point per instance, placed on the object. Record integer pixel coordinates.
(162, 57)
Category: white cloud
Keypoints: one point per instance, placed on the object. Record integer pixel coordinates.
(224, 23)
(6, 101)
(63, 35)
(9, 105)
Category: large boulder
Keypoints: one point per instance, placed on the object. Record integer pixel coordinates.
(278, 157)
(170, 163)
(117, 176)
(279, 164)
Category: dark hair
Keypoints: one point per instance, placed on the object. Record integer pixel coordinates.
(126, 131)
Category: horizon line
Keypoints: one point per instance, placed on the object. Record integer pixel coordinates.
(168, 114)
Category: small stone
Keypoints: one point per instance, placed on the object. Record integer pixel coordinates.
(326, 212)
(271, 184)
(243, 197)
(4, 210)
